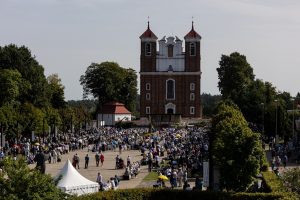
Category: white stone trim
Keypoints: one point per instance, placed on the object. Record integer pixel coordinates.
(148, 40)
(170, 105)
(192, 96)
(192, 110)
(170, 73)
(148, 110)
(197, 39)
(192, 86)
(148, 96)
(148, 86)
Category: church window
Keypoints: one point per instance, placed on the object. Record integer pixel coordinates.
(170, 51)
(193, 49)
(192, 86)
(170, 86)
(148, 86)
(192, 97)
(148, 110)
(148, 49)
(192, 110)
(148, 96)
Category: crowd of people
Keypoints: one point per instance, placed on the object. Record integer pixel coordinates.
(176, 153)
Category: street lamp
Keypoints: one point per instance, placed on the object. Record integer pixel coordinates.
(276, 140)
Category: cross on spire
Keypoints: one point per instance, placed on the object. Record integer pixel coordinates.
(148, 23)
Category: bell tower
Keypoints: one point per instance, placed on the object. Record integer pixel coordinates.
(148, 51)
(192, 51)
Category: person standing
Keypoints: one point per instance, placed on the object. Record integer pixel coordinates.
(76, 161)
(40, 162)
(97, 158)
(180, 177)
(87, 159)
(102, 159)
(128, 160)
(99, 181)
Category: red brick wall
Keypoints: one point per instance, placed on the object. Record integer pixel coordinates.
(182, 100)
(192, 63)
(148, 63)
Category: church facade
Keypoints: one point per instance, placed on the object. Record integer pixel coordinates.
(170, 79)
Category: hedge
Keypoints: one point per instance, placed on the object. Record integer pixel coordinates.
(272, 186)
(160, 194)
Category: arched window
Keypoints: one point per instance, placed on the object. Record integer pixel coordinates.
(148, 49)
(170, 87)
(192, 49)
(148, 97)
(148, 86)
(192, 110)
(192, 97)
(170, 50)
(192, 86)
(148, 110)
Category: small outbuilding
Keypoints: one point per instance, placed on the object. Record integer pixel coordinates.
(113, 112)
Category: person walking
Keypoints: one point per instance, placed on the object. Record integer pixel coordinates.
(97, 158)
(102, 159)
(87, 159)
(76, 160)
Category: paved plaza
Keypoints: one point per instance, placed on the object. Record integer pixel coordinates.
(107, 170)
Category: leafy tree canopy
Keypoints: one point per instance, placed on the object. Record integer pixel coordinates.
(236, 149)
(110, 82)
(17, 181)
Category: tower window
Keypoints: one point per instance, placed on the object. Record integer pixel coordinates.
(170, 86)
(148, 86)
(192, 86)
(192, 110)
(148, 110)
(148, 97)
(170, 50)
(192, 49)
(192, 97)
(148, 49)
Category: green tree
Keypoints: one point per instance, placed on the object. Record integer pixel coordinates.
(110, 82)
(20, 59)
(30, 119)
(209, 103)
(57, 91)
(235, 148)
(17, 181)
(235, 75)
(10, 81)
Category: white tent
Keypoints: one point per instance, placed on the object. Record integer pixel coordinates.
(72, 182)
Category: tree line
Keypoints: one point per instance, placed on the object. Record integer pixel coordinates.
(30, 101)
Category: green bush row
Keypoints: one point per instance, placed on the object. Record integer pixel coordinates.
(159, 194)
(272, 183)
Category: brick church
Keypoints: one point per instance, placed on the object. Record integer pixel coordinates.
(169, 77)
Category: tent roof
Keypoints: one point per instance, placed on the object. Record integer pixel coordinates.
(72, 178)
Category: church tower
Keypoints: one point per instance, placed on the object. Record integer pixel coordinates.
(169, 77)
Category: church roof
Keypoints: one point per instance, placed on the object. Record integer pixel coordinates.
(148, 34)
(114, 108)
(192, 33)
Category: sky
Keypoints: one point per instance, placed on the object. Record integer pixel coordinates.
(66, 36)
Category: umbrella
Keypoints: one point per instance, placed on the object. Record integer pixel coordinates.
(162, 177)
(37, 144)
(179, 136)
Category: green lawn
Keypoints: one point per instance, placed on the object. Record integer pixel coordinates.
(152, 176)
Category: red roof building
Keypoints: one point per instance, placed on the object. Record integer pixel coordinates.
(112, 113)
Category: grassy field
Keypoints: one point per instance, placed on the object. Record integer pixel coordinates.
(152, 176)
